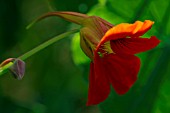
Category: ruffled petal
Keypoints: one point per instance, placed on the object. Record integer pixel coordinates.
(133, 45)
(122, 71)
(127, 30)
(99, 87)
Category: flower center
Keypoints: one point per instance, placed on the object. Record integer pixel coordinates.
(105, 49)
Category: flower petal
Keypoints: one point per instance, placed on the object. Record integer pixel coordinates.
(127, 30)
(99, 87)
(122, 70)
(133, 45)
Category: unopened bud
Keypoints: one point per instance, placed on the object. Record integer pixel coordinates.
(18, 69)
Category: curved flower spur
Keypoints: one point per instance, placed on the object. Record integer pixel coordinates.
(111, 50)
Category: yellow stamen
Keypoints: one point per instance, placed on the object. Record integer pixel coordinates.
(105, 49)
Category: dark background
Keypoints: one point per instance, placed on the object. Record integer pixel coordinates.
(56, 78)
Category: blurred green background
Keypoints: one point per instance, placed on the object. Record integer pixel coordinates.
(56, 78)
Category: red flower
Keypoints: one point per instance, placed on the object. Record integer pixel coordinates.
(111, 49)
(114, 61)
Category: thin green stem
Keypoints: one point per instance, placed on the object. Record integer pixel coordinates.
(45, 44)
(5, 68)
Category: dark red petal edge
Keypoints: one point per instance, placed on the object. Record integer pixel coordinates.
(133, 45)
(122, 70)
(99, 87)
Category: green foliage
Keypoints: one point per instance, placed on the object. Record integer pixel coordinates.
(54, 84)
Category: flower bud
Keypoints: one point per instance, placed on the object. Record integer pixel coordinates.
(92, 31)
(18, 69)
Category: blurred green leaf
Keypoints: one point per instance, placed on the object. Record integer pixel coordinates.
(55, 83)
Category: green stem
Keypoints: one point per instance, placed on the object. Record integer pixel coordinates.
(45, 44)
(5, 68)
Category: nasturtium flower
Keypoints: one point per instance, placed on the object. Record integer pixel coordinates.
(112, 52)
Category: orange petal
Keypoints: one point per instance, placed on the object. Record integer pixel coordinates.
(127, 30)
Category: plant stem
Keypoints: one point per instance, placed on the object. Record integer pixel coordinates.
(47, 43)
(5, 68)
